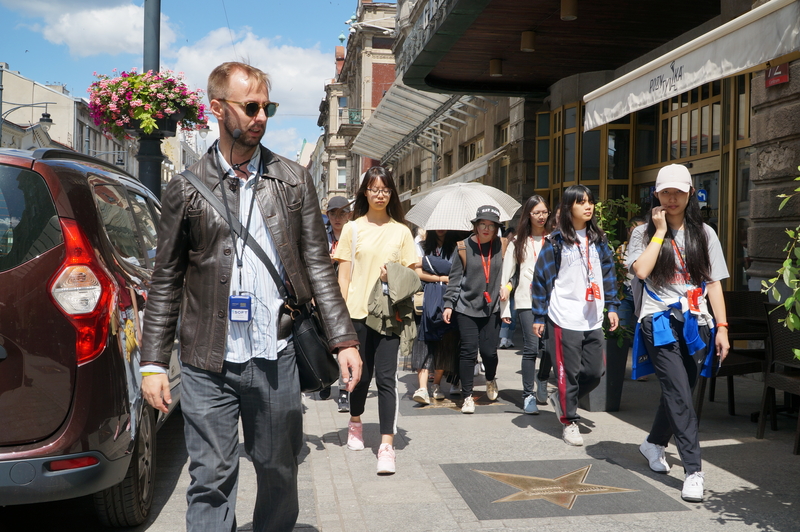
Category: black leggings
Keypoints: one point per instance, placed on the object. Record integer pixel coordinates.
(477, 334)
(378, 353)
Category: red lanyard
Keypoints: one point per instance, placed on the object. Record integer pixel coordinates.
(589, 270)
(487, 264)
(533, 247)
(678, 253)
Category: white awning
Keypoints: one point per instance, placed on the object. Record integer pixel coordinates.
(767, 32)
(469, 172)
(405, 115)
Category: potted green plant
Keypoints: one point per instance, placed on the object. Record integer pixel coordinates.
(146, 102)
(613, 217)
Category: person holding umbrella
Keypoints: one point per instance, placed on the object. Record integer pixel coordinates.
(473, 296)
(520, 260)
(375, 238)
(573, 282)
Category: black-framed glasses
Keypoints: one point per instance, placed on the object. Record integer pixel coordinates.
(380, 191)
(251, 108)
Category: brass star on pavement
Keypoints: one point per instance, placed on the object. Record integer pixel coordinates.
(563, 490)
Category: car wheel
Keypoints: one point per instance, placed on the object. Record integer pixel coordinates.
(128, 503)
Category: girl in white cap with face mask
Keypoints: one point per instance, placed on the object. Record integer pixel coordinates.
(680, 262)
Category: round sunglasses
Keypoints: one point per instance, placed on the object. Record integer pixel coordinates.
(251, 108)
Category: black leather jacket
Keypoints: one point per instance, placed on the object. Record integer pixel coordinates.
(195, 261)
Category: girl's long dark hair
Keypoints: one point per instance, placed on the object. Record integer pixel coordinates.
(393, 206)
(525, 227)
(695, 245)
(451, 238)
(570, 197)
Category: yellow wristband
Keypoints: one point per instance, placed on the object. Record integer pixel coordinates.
(509, 287)
(657, 240)
(148, 373)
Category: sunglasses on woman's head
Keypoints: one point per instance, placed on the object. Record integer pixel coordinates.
(251, 108)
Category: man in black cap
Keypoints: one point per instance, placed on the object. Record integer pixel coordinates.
(339, 213)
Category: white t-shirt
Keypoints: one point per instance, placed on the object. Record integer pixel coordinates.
(568, 306)
(680, 284)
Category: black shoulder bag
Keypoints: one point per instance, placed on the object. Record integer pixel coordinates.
(316, 365)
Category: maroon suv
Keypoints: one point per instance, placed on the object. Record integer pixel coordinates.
(77, 244)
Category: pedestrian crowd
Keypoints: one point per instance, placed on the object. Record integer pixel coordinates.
(446, 300)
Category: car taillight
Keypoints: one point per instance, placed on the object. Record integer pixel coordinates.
(85, 292)
(73, 463)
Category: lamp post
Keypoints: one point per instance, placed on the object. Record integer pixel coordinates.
(150, 156)
(45, 121)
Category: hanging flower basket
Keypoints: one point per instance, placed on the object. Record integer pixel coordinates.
(150, 103)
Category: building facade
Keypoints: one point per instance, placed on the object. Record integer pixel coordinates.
(612, 93)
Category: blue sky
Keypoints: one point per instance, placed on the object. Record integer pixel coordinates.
(66, 41)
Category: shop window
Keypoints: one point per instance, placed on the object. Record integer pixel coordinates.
(646, 137)
(715, 126)
(570, 117)
(542, 176)
(590, 156)
(543, 125)
(569, 157)
(618, 153)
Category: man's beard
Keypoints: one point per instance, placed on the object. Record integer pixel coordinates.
(229, 123)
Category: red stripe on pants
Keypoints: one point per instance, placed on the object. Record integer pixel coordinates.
(560, 374)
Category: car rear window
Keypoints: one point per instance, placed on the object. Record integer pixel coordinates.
(28, 221)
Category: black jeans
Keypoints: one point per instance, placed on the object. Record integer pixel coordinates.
(677, 372)
(477, 335)
(379, 354)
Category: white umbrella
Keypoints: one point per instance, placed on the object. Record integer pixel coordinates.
(451, 207)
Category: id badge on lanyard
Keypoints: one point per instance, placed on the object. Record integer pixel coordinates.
(593, 290)
(240, 308)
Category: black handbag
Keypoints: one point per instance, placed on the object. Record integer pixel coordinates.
(316, 365)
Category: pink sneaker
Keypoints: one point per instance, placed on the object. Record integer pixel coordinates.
(386, 464)
(355, 441)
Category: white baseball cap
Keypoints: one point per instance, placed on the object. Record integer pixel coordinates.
(674, 176)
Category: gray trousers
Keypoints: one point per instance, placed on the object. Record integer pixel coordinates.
(266, 395)
(578, 360)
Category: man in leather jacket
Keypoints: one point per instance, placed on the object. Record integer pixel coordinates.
(240, 363)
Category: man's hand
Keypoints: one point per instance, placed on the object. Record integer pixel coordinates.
(155, 390)
(350, 366)
(446, 315)
(538, 329)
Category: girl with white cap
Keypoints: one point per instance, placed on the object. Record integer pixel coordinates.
(680, 263)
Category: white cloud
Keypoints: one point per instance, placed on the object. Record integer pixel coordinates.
(298, 74)
(92, 27)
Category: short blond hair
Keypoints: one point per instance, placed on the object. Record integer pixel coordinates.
(218, 80)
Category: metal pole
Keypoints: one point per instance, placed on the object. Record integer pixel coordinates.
(150, 156)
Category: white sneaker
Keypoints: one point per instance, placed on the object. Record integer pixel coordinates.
(436, 392)
(469, 405)
(509, 343)
(655, 456)
(693, 487)
(421, 396)
(386, 460)
(503, 343)
(572, 435)
(477, 369)
(491, 390)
